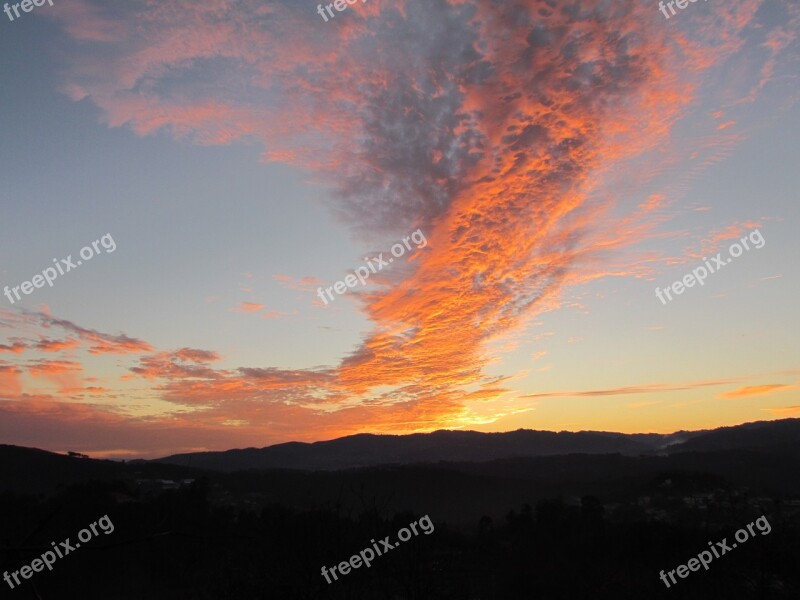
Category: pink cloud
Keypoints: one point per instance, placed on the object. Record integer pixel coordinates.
(10, 384)
(46, 345)
(44, 368)
(16, 347)
(303, 284)
(99, 343)
(249, 307)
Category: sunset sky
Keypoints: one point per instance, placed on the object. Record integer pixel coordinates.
(561, 159)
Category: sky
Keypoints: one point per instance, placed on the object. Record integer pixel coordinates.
(552, 166)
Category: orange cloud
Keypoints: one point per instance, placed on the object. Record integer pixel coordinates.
(654, 202)
(784, 412)
(99, 343)
(249, 307)
(276, 314)
(176, 365)
(9, 381)
(16, 348)
(303, 284)
(635, 405)
(46, 345)
(755, 390)
(638, 389)
(44, 368)
(711, 244)
(195, 355)
(63, 372)
(87, 390)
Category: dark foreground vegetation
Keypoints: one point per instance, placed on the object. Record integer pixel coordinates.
(212, 537)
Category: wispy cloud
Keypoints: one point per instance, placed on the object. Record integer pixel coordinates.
(784, 412)
(634, 389)
(635, 405)
(756, 390)
(98, 342)
(249, 307)
(303, 284)
(53, 367)
(16, 347)
(46, 345)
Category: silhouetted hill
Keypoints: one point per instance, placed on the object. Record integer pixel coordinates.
(509, 455)
(367, 449)
(464, 490)
(471, 446)
(761, 434)
(31, 470)
(36, 470)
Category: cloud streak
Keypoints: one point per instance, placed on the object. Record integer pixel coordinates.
(756, 390)
(634, 389)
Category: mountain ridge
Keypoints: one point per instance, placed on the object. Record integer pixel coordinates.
(366, 449)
